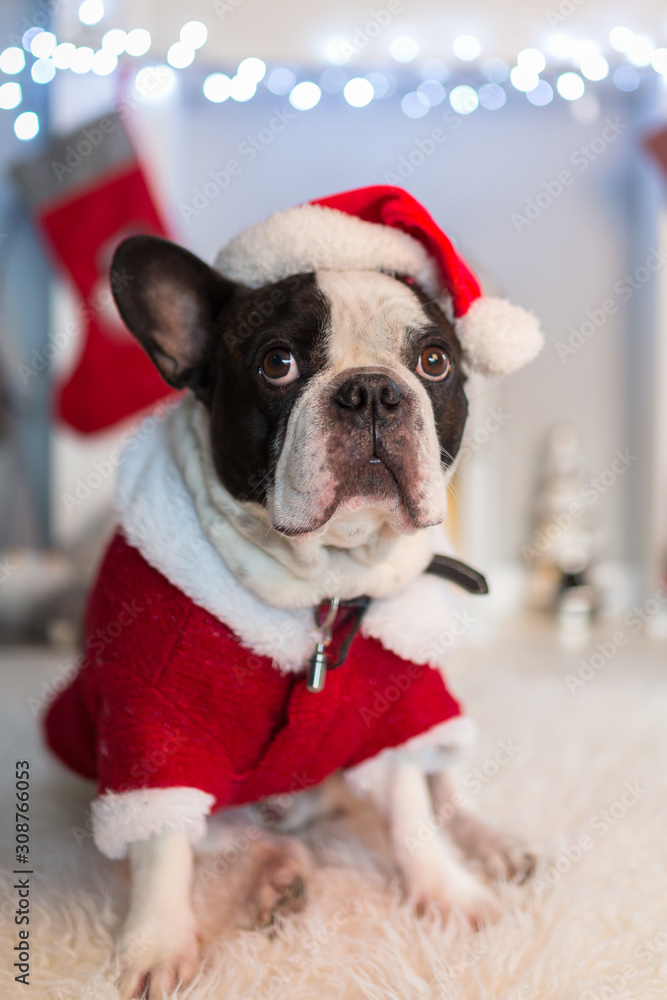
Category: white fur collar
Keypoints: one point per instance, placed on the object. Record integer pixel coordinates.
(173, 509)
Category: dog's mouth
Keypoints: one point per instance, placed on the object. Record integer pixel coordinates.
(374, 481)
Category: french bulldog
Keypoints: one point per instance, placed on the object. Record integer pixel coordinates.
(324, 408)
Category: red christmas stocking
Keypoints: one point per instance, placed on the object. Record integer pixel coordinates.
(89, 192)
(656, 144)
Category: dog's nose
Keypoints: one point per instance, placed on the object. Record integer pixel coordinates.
(370, 392)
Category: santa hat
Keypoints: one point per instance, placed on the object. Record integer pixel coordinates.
(384, 228)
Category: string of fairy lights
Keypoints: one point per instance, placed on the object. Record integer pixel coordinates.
(418, 84)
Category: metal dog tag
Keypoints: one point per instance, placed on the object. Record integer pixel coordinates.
(319, 661)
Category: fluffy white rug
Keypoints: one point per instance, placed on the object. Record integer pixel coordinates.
(587, 786)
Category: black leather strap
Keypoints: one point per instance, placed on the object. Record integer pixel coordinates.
(360, 605)
(460, 573)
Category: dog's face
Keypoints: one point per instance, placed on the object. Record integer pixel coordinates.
(330, 393)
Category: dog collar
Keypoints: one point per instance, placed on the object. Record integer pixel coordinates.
(344, 617)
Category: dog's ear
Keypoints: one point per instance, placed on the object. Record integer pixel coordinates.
(169, 299)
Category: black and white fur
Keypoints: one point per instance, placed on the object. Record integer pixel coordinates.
(354, 451)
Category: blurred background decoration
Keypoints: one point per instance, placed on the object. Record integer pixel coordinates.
(561, 554)
(533, 132)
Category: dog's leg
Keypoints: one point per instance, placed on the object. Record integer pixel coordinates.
(158, 944)
(433, 877)
(502, 855)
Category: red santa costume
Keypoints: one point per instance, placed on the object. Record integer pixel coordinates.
(192, 693)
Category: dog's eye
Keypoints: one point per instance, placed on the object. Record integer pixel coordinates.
(279, 366)
(433, 364)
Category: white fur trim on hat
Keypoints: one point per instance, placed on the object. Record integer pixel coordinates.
(497, 337)
(316, 238)
(119, 818)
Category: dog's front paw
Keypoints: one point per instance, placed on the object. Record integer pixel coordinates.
(157, 957)
(510, 859)
(502, 856)
(466, 899)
